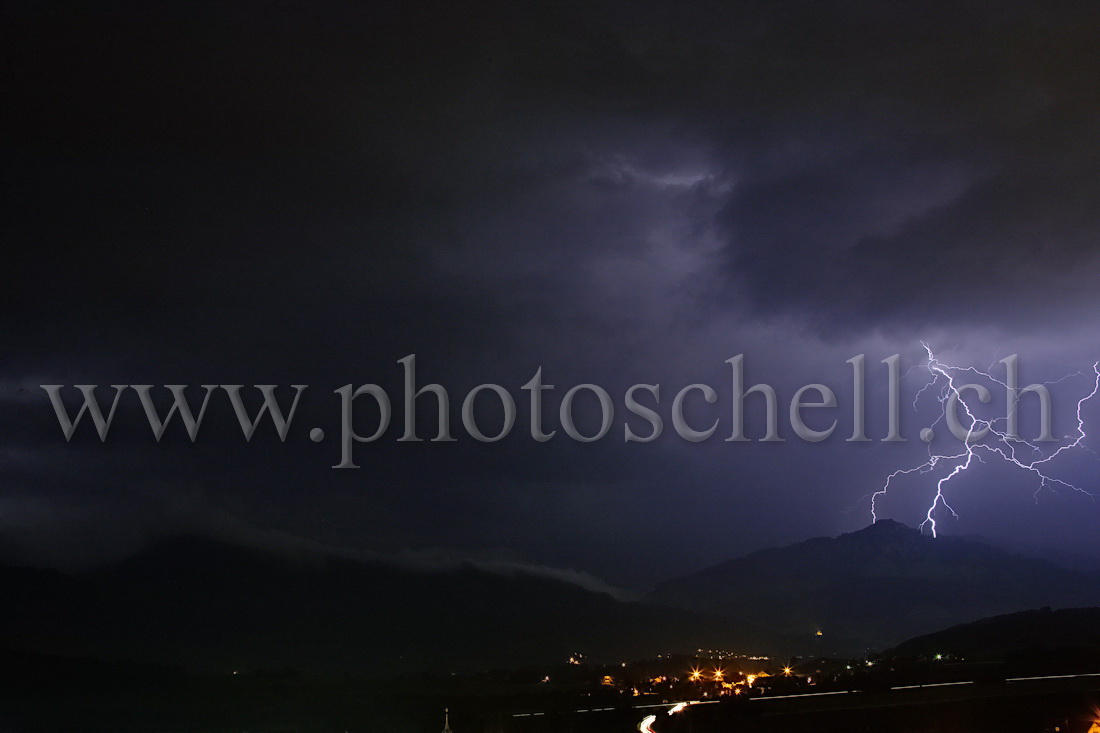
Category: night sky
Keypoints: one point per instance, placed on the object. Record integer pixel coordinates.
(299, 194)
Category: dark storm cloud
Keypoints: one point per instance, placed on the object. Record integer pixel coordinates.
(919, 150)
(304, 194)
(942, 168)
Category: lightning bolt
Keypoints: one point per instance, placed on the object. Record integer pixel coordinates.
(999, 444)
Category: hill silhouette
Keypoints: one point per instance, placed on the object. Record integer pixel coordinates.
(1006, 636)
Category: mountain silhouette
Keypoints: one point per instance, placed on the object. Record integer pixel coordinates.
(206, 604)
(877, 586)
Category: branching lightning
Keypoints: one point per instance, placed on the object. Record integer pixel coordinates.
(979, 443)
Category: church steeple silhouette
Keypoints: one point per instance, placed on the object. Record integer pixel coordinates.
(447, 721)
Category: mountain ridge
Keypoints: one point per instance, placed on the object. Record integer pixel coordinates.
(880, 585)
(209, 604)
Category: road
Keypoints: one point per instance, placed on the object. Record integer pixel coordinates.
(653, 711)
(647, 723)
